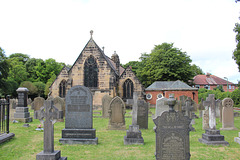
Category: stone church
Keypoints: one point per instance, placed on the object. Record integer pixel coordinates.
(101, 74)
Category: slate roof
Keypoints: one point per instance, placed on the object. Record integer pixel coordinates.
(210, 80)
(169, 85)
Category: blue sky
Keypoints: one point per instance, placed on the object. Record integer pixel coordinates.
(60, 29)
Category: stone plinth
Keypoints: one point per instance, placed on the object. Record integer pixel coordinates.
(213, 137)
(79, 136)
(134, 136)
(56, 155)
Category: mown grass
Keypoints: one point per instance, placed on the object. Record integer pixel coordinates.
(28, 142)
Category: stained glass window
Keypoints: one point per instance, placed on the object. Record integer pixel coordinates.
(128, 89)
(62, 89)
(90, 73)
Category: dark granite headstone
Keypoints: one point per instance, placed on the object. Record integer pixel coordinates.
(172, 134)
(50, 113)
(21, 112)
(105, 105)
(79, 117)
(117, 114)
(212, 135)
(142, 114)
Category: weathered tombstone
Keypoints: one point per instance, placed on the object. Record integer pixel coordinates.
(227, 114)
(60, 105)
(237, 139)
(105, 105)
(38, 103)
(79, 117)
(142, 114)
(13, 103)
(187, 109)
(172, 134)
(29, 101)
(22, 113)
(201, 108)
(50, 113)
(134, 135)
(161, 106)
(205, 119)
(212, 136)
(218, 108)
(117, 112)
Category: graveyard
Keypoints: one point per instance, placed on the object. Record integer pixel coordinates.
(28, 142)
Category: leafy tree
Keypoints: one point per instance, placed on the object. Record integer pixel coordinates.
(219, 88)
(133, 64)
(11, 88)
(21, 57)
(40, 88)
(34, 67)
(52, 67)
(30, 86)
(4, 69)
(197, 70)
(236, 52)
(164, 63)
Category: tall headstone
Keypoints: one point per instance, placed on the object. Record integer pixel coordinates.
(134, 135)
(227, 114)
(172, 134)
(187, 109)
(60, 105)
(117, 112)
(105, 105)
(79, 117)
(205, 119)
(161, 106)
(142, 114)
(21, 112)
(37, 104)
(50, 113)
(212, 135)
(201, 108)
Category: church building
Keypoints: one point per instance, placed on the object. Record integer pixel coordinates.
(101, 74)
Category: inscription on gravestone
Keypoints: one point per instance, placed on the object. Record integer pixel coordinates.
(172, 134)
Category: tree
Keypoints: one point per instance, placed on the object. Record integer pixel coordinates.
(133, 64)
(40, 88)
(4, 69)
(48, 84)
(197, 70)
(236, 52)
(164, 63)
(30, 86)
(21, 57)
(236, 97)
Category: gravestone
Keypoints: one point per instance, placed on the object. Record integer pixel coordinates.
(201, 108)
(187, 109)
(13, 103)
(205, 119)
(218, 108)
(227, 114)
(105, 105)
(60, 105)
(117, 112)
(134, 135)
(79, 117)
(142, 114)
(37, 104)
(212, 135)
(172, 134)
(21, 113)
(50, 113)
(237, 139)
(161, 106)
(29, 101)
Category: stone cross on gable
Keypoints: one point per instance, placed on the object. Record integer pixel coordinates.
(50, 114)
(211, 103)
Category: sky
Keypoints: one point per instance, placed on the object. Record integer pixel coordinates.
(60, 29)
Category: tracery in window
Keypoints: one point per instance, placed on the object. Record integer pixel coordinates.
(90, 72)
(128, 89)
(62, 88)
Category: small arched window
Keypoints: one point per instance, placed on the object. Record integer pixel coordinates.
(90, 73)
(128, 89)
(62, 88)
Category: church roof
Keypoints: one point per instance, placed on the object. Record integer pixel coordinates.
(169, 85)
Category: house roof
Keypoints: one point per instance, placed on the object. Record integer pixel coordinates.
(210, 80)
(169, 85)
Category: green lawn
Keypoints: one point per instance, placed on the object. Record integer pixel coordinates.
(28, 142)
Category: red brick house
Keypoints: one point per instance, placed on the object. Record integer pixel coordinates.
(210, 82)
(164, 88)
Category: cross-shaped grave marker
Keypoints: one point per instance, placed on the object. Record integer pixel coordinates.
(51, 114)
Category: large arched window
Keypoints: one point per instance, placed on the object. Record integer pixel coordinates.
(90, 73)
(62, 88)
(128, 89)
